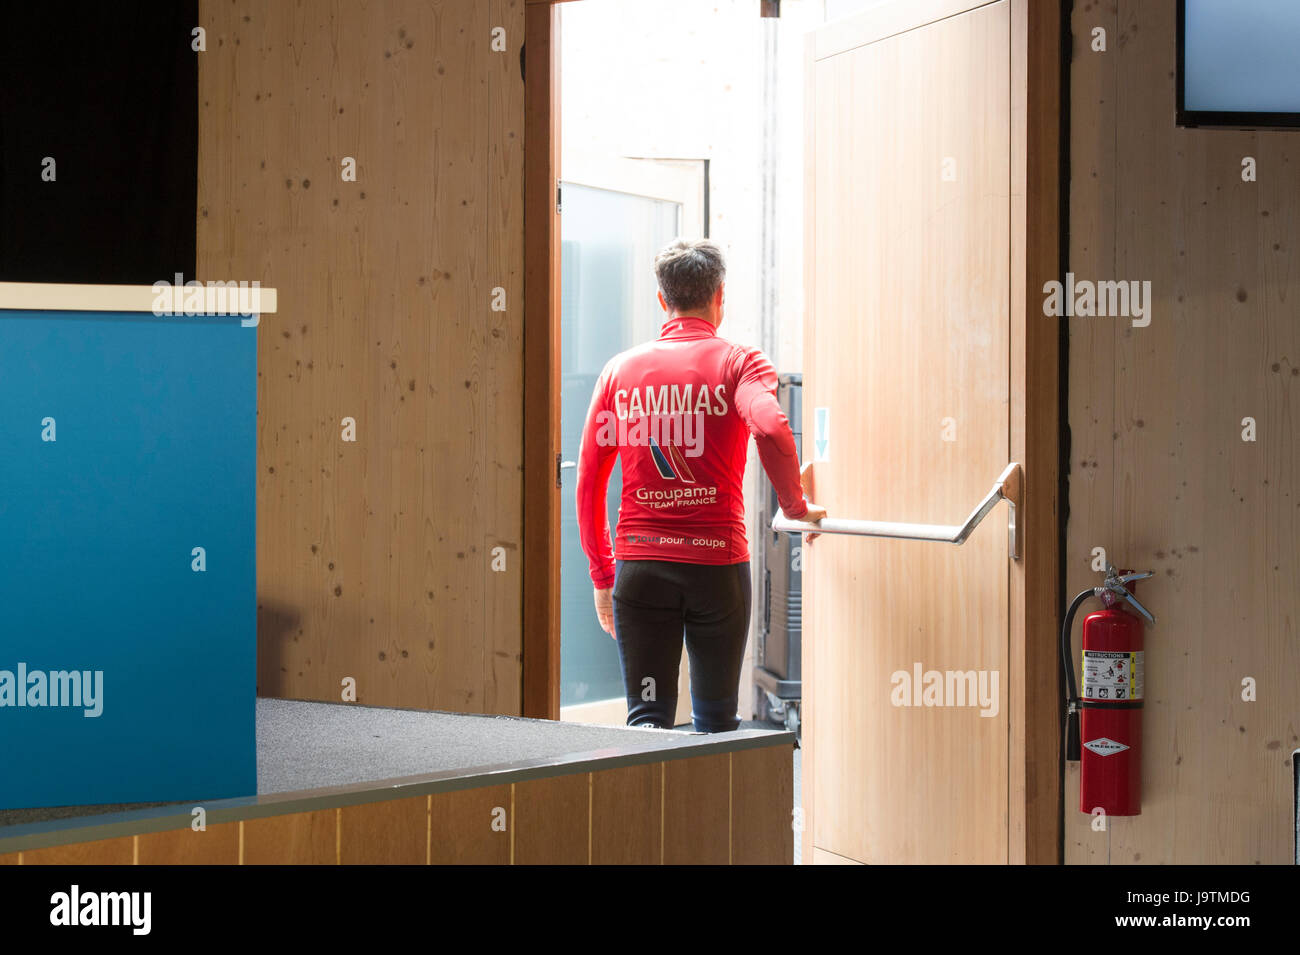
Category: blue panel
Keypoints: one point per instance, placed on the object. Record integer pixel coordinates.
(155, 455)
(1242, 56)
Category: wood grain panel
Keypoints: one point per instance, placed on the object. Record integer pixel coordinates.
(462, 827)
(811, 591)
(1160, 475)
(1033, 664)
(823, 857)
(541, 555)
(503, 359)
(622, 800)
(714, 812)
(1091, 396)
(303, 838)
(395, 832)
(552, 821)
(374, 556)
(762, 796)
(217, 845)
(887, 19)
(697, 811)
(908, 302)
(103, 852)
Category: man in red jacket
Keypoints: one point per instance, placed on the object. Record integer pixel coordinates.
(679, 412)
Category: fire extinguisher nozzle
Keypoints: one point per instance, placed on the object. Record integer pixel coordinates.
(1072, 747)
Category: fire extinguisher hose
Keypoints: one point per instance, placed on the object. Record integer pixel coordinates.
(1071, 687)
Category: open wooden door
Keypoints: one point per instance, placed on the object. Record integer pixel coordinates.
(930, 721)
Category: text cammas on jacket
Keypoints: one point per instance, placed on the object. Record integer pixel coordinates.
(678, 412)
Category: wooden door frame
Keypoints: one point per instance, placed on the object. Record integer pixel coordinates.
(1034, 790)
(540, 547)
(1034, 823)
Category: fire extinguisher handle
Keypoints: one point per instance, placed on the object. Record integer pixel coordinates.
(1117, 584)
(1125, 579)
(1072, 747)
(1139, 608)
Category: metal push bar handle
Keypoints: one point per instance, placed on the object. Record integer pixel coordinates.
(1007, 488)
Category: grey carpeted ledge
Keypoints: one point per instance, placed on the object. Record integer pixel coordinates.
(324, 755)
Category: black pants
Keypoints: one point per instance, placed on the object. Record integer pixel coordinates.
(656, 603)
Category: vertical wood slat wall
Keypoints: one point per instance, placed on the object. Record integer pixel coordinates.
(1159, 473)
(720, 809)
(375, 557)
(541, 551)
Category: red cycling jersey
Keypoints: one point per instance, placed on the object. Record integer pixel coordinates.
(679, 411)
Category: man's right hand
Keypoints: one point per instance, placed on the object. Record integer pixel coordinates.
(815, 514)
(605, 609)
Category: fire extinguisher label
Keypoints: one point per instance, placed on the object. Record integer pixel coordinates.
(1111, 675)
(1104, 746)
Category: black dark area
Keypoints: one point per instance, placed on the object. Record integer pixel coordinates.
(110, 92)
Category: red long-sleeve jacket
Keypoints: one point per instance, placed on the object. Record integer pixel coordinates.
(678, 412)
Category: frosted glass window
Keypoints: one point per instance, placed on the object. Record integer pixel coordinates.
(1241, 56)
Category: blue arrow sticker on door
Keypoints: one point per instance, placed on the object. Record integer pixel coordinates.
(822, 434)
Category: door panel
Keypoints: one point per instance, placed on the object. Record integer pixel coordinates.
(616, 215)
(907, 343)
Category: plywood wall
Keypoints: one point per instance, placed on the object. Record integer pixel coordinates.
(726, 808)
(1159, 473)
(374, 556)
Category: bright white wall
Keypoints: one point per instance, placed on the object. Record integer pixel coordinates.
(684, 79)
(836, 9)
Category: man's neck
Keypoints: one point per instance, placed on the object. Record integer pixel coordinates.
(702, 316)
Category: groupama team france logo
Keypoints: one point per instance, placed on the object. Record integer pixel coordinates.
(671, 463)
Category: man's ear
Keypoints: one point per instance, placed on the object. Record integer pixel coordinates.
(662, 304)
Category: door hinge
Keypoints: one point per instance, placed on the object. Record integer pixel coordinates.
(557, 198)
(560, 467)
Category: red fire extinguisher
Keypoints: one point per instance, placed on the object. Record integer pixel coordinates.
(1107, 718)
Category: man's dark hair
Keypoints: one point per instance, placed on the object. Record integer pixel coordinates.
(689, 273)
